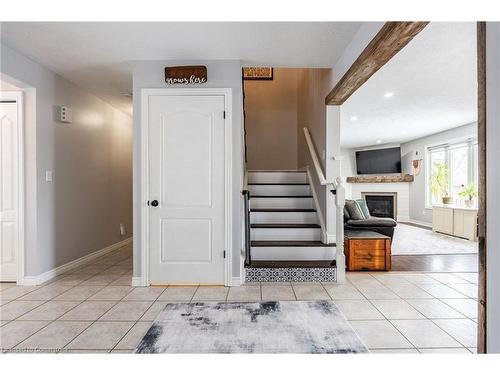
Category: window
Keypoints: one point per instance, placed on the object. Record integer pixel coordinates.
(451, 167)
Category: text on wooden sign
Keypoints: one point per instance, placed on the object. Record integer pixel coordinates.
(186, 74)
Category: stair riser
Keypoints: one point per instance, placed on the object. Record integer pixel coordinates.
(285, 234)
(277, 177)
(291, 274)
(280, 190)
(281, 203)
(283, 218)
(293, 253)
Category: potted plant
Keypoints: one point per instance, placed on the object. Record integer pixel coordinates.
(468, 192)
(439, 182)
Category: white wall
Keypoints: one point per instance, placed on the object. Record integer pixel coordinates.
(418, 211)
(363, 36)
(222, 74)
(493, 184)
(347, 168)
(80, 211)
(271, 121)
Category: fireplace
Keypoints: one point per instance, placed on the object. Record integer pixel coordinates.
(382, 204)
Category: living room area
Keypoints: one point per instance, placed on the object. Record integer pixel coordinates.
(410, 154)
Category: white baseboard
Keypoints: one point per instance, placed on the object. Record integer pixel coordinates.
(417, 222)
(40, 279)
(403, 218)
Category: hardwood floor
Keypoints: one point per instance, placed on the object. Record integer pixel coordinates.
(436, 263)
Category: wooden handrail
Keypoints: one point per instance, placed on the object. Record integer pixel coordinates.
(245, 179)
(314, 157)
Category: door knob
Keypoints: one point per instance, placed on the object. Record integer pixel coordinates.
(154, 203)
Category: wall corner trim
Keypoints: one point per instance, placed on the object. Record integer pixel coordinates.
(138, 281)
(237, 281)
(46, 276)
(329, 238)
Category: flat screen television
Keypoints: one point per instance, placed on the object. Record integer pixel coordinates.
(384, 160)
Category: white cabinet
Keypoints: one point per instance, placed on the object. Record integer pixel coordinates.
(442, 220)
(456, 221)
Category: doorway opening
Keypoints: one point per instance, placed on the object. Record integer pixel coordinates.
(431, 120)
(286, 202)
(459, 213)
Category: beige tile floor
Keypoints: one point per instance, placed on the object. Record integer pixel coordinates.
(94, 309)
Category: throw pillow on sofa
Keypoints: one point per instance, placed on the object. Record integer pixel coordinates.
(354, 209)
(364, 207)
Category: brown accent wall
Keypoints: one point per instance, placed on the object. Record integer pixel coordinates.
(271, 121)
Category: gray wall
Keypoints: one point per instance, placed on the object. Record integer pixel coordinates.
(223, 74)
(418, 211)
(493, 183)
(91, 193)
(271, 121)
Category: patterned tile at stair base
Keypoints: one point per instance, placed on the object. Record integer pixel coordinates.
(289, 274)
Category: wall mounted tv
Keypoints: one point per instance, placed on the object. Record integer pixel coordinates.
(384, 160)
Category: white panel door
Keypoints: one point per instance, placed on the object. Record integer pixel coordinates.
(186, 181)
(9, 163)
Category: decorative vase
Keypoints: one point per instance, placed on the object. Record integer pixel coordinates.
(447, 200)
(469, 203)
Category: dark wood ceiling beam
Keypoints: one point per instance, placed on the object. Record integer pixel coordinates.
(391, 39)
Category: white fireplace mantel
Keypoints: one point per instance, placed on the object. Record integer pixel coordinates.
(402, 193)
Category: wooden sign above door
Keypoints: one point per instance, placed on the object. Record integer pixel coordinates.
(185, 74)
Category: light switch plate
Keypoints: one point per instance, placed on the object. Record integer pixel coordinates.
(48, 176)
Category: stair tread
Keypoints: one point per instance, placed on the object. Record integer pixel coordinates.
(290, 243)
(285, 225)
(280, 196)
(282, 210)
(277, 171)
(291, 264)
(279, 183)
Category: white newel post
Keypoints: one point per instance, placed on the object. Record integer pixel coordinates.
(335, 217)
(339, 207)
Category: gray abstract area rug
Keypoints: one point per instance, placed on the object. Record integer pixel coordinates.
(255, 327)
(411, 240)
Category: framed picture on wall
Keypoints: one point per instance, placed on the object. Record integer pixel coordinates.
(258, 73)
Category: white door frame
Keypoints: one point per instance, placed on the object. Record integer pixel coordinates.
(18, 97)
(228, 173)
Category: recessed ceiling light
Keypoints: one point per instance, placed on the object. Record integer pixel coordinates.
(354, 118)
(388, 95)
(379, 141)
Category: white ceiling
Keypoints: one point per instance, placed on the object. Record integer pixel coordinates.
(97, 56)
(434, 84)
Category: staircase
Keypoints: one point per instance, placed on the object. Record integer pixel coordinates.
(285, 232)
